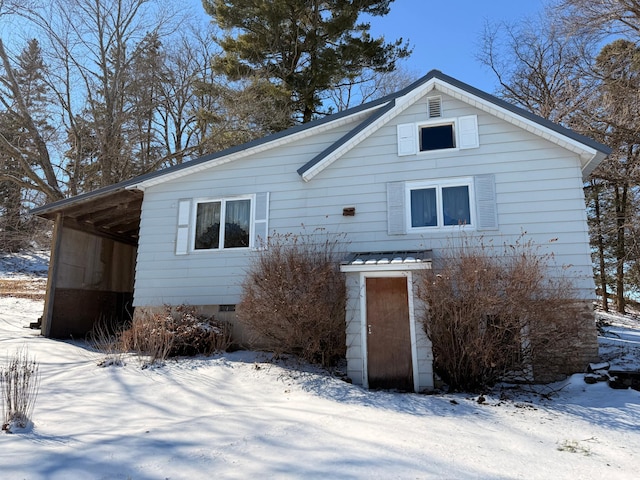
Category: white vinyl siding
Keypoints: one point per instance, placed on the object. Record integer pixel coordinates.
(534, 186)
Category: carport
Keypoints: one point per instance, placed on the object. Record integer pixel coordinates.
(93, 256)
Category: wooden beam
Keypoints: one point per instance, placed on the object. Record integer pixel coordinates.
(52, 276)
(106, 233)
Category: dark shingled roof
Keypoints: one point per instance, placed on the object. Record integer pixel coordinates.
(384, 104)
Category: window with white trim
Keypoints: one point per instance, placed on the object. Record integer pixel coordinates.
(214, 224)
(438, 134)
(437, 137)
(482, 209)
(447, 203)
(222, 223)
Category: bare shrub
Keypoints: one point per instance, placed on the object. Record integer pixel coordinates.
(148, 336)
(105, 336)
(19, 384)
(176, 331)
(294, 297)
(496, 314)
(195, 334)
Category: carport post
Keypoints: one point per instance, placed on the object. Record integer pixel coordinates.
(56, 241)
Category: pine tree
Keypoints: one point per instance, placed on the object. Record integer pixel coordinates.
(23, 152)
(303, 47)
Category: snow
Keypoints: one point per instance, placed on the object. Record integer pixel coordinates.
(242, 415)
(25, 265)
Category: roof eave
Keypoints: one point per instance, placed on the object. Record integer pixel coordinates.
(48, 210)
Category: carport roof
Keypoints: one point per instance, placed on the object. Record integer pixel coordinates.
(113, 213)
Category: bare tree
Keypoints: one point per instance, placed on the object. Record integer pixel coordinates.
(538, 67)
(104, 60)
(24, 140)
(367, 86)
(600, 19)
(555, 67)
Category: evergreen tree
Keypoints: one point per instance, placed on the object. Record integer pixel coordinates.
(303, 47)
(23, 153)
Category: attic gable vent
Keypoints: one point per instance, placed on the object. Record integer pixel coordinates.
(434, 107)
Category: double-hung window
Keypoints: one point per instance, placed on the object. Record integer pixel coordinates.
(444, 204)
(222, 223)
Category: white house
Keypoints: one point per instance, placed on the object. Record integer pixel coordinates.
(397, 176)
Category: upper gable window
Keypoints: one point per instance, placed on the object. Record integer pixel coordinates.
(437, 137)
(440, 134)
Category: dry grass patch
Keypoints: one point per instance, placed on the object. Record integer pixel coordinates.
(33, 289)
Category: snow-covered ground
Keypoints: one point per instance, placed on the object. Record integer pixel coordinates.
(26, 265)
(239, 415)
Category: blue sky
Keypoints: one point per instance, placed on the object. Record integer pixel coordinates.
(446, 34)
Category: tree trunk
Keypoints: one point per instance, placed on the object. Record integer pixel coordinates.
(621, 208)
(600, 246)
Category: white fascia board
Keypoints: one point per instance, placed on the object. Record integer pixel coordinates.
(586, 153)
(402, 103)
(250, 151)
(589, 164)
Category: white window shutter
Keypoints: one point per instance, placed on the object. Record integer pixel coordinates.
(396, 208)
(261, 220)
(468, 132)
(182, 234)
(486, 208)
(407, 139)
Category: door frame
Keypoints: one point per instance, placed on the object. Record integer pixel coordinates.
(363, 322)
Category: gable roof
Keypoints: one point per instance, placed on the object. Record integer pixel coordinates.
(369, 117)
(590, 151)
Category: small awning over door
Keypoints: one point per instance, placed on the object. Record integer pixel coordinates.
(381, 261)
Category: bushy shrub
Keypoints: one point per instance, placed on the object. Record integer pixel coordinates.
(176, 331)
(19, 383)
(294, 297)
(495, 313)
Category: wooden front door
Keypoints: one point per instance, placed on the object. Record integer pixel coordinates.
(389, 364)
